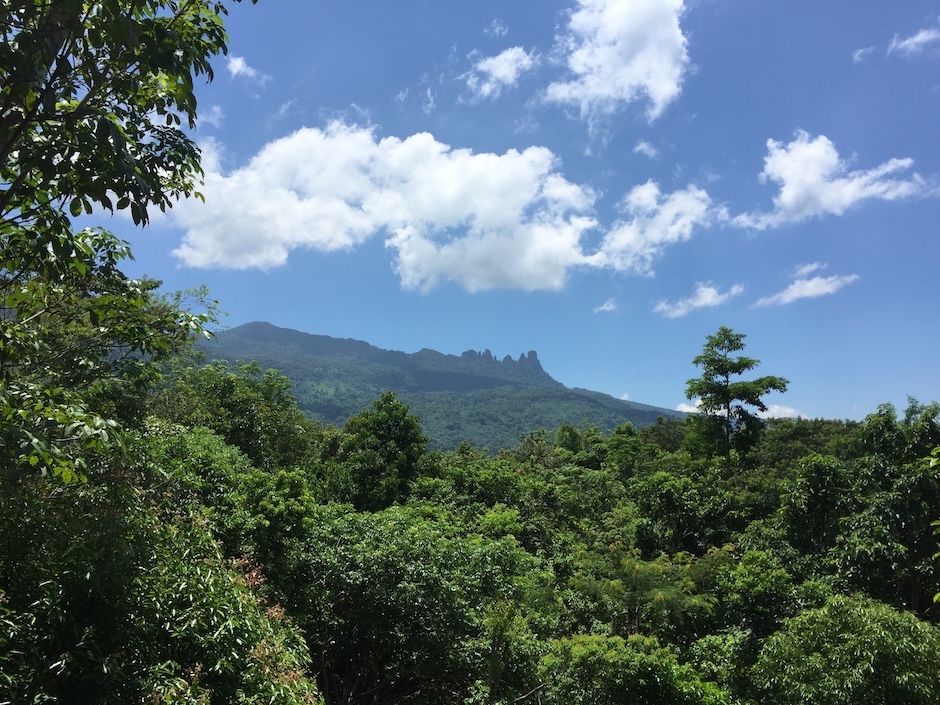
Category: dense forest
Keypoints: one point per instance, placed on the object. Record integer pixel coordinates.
(230, 549)
(179, 532)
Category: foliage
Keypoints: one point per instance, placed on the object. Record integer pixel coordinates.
(391, 604)
(785, 441)
(755, 593)
(723, 658)
(379, 452)
(865, 521)
(662, 597)
(884, 435)
(79, 351)
(119, 593)
(818, 495)
(114, 590)
(729, 402)
(685, 502)
(92, 100)
(885, 547)
(251, 409)
(611, 670)
(851, 650)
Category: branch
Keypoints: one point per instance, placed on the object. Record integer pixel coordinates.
(531, 692)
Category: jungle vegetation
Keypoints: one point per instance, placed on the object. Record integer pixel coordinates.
(179, 532)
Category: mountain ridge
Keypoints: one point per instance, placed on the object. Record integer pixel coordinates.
(474, 396)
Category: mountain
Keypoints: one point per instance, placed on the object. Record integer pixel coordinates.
(474, 396)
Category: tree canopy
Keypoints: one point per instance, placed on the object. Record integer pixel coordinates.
(94, 99)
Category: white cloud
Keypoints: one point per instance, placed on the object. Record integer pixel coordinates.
(212, 116)
(861, 55)
(428, 104)
(916, 43)
(238, 67)
(807, 288)
(620, 51)
(496, 29)
(805, 270)
(478, 219)
(778, 411)
(653, 221)
(486, 220)
(213, 153)
(493, 73)
(814, 181)
(646, 149)
(774, 411)
(284, 108)
(625, 397)
(705, 296)
(608, 306)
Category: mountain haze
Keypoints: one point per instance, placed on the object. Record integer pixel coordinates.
(475, 396)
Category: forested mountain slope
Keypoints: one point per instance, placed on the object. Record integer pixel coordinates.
(474, 396)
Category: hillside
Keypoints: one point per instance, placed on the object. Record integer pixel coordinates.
(475, 396)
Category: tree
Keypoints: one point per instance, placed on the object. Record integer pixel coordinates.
(92, 100)
(394, 604)
(851, 650)
(725, 402)
(380, 450)
(662, 597)
(119, 591)
(611, 670)
(251, 409)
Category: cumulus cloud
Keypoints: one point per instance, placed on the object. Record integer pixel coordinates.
(238, 67)
(492, 74)
(484, 220)
(705, 296)
(916, 43)
(815, 181)
(652, 221)
(690, 408)
(481, 220)
(806, 287)
(608, 306)
(621, 51)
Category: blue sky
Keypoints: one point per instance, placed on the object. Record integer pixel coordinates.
(603, 181)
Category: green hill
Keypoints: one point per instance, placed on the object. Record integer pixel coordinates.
(475, 397)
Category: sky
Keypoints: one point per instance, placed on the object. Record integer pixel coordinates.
(606, 182)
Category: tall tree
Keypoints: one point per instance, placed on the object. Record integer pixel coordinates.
(730, 402)
(93, 99)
